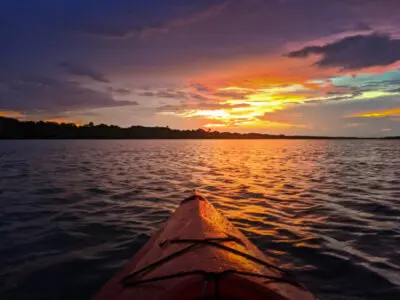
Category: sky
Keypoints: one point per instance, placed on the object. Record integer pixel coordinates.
(309, 67)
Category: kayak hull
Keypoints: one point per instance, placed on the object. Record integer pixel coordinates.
(200, 254)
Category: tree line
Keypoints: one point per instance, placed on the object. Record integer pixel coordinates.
(16, 129)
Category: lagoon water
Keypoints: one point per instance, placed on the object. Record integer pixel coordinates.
(73, 212)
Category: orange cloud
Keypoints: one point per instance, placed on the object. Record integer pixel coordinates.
(269, 84)
(61, 121)
(240, 104)
(214, 125)
(264, 71)
(395, 112)
(11, 114)
(20, 116)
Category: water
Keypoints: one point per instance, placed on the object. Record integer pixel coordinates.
(73, 212)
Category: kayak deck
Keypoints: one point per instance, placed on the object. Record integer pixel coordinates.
(199, 254)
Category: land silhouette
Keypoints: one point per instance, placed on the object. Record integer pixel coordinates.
(15, 129)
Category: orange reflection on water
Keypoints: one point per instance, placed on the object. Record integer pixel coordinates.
(263, 191)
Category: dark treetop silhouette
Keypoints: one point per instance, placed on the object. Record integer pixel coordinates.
(15, 129)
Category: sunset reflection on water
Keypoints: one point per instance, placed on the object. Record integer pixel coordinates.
(326, 209)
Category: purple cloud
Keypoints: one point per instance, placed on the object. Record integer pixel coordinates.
(354, 52)
(46, 95)
(81, 70)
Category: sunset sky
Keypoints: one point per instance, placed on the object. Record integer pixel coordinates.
(313, 67)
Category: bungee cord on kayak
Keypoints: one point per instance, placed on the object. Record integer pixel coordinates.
(209, 276)
(199, 253)
(215, 242)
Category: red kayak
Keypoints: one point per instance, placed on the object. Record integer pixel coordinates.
(199, 254)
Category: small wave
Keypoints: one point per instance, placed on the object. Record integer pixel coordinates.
(73, 212)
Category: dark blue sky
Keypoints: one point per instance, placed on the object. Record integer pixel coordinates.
(290, 66)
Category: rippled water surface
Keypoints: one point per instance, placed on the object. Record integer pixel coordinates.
(73, 212)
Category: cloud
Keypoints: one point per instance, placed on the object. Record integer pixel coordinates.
(120, 91)
(10, 114)
(182, 108)
(81, 70)
(396, 90)
(283, 117)
(199, 97)
(354, 52)
(140, 19)
(166, 93)
(212, 44)
(386, 129)
(200, 87)
(352, 125)
(47, 95)
(199, 92)
(236, 95)
(148, 94)
(331, 118)
(393, 112)
(183, 93)
(359, 26)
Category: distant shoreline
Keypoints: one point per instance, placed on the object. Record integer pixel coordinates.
(155, 138)
(13, 129)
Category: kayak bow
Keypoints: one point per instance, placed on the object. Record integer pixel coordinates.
(199, 254)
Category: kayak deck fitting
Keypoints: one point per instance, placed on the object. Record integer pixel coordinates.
(199, 254)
